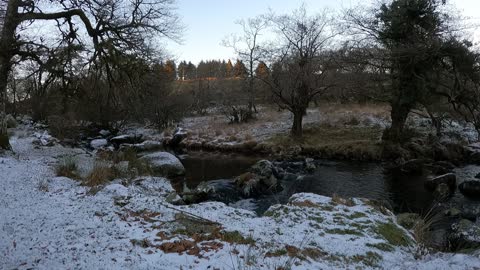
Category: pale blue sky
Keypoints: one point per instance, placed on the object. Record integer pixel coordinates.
(209, 21)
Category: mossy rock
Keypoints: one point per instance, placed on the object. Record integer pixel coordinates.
(408, 220)
(393, 234)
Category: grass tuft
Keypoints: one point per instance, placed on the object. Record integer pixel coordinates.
(67, 167)
(100, 175)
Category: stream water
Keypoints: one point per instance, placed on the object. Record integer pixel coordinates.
(347, 179)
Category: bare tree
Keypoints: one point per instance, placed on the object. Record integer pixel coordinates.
(301, 67)
(113, 27)
(251, 50)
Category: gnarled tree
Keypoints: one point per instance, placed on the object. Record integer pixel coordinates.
(113, 28)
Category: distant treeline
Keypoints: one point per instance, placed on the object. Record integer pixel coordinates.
(217, 69)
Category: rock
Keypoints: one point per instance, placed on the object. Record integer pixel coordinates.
(104, 133)
(44, 139)
(414, 166)
(98, 143)
(437, 238)
(417, 149)
(466, 235)
(126, 139)
(116, 190)
(471, 211)
(456, 152)
(164, 164)
(441, 167)
(310, 165)
(474, 157)
(446, 165)
(442, 192)
(408, 220)
(448, 179)
(261, 179)
(453, 212)
(178, 136)
(174, 198)
(11, 122)
(470, 189)
(146, 146)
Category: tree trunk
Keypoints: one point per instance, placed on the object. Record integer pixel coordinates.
(7, 41)
(297, 128)
(251, 97)
(399, 114)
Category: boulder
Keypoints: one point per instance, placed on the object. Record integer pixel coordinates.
(310, 165)
(442, 192)
(448, 179)
(178, 136)
(466, 235)
(223, 190)
(441, 167)
(98, 143)
(104, 133)
(453, 212)
(164, 164)
(44, 139)
(126, 139)
(174, 198)
(470, 210)
(474, 157)
(470, 189)
(145, 146)
(414, 166)
(261, 179)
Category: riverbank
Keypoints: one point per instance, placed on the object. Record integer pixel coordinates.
(51, 222)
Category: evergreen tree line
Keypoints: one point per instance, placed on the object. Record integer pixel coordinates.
(216, 69)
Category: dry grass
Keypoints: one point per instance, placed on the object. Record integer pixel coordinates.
(67, 167)
(342, 142)
(100, 175)
(337, 199)
(377, 110)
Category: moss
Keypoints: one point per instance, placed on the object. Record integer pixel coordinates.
(237, 237)
(357, 215)
(276, 253)
(344, 231)
(369, 259)
(318, 219)
(382, 246)
(394, 235)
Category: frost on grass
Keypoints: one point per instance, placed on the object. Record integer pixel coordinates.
(61, 225)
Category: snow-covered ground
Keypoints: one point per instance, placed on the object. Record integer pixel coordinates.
(49, 222)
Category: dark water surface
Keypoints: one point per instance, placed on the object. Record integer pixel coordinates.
(345, 178)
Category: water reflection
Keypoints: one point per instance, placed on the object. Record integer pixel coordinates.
(347, 179)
